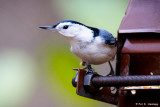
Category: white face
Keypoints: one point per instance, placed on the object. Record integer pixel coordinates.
(76, 31)
(68, 29)
(72, 31)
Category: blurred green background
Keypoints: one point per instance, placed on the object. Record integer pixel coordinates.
(36, 65)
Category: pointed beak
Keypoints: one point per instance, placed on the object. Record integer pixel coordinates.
(47, 27)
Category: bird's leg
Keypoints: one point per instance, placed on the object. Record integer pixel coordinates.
(89, 68)
(82, 63)
(112, 71)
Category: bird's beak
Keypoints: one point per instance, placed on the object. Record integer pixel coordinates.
(47, 27)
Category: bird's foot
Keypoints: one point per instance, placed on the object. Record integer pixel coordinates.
(111, 73)
(89, 69)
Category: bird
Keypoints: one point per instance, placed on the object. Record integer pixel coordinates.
(92, 45)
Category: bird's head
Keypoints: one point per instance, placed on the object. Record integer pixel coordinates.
(71, 29)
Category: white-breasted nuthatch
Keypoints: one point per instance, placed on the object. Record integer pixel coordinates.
(92, 45)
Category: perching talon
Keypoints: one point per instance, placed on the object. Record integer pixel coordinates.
(89, 68)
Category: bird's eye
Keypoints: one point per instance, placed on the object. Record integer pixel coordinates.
(65, 27)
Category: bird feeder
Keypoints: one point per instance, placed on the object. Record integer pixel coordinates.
(137, 79)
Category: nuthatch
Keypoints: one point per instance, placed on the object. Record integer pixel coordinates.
(92, 45)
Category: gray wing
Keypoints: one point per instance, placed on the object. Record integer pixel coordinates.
(107, 37)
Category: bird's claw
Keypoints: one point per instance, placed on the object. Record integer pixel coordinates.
(89, 69)
(111, 73)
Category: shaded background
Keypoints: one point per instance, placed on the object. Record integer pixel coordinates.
(36, 65)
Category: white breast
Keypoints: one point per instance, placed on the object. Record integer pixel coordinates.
(93, 53)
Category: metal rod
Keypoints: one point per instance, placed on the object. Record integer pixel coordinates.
(139, 80)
